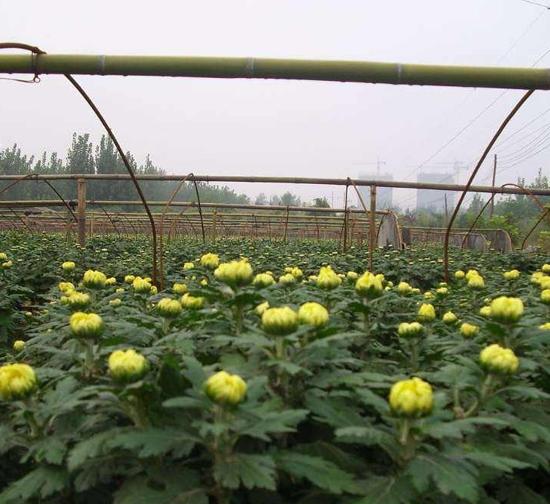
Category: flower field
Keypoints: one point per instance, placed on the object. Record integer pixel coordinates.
(266, 373)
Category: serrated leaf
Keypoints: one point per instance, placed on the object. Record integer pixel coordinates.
(152, 442)
(274, 423)
(253, 471)
(386, 490)
(320, 472)
(39, 483)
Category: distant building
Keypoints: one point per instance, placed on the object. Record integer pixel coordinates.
(384, 195)
(431, 199)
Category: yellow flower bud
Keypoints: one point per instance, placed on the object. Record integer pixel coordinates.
(188, 265)
(411, 398)
(497, 359)
(68, 266)
(77, 300)
(234, 273)
(127, 366)
(280, 321)
(153, 290)
(468, 330)
(192, 302)
(129, 279)
(120, 290)
(179, 288)
(537, 276)
(110, 281)
(18, 345)
(352, 275)
(169, 308)
(261, 308)
(3, 256)
(141, 286)
(450, 318)
(369, 285)
(471, 273)
(410, 330)
(313, 314)
(442, 291)
(297, 273)
(545, 326)
(224, 388)
(506, 309)
(17, 381)
(545, 296)
(545, 268)
(210, 261)
(86, 325)
(511, 275)
(94, 279)
(544, 283)
(115, 302)
(485, 311)
(327, 279)
(426, 313)
(287, 279)
(7, 264)
(476, 282)
(65, 287)
(428, 295)
(404, 288)
(262, 280)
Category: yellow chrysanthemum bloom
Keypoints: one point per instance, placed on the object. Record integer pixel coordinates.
(17, 381)
(472, 273)
(169, 308)
(127, 365)
(404, 288)
(86, 325)
(545, 268)
(66, 287)
(110, 281)
(327, 279)
(224, 388)
(94, 279)
(411, 398)
(545, 326)
(18, 345)
(426, 313)
(280, 321)
(7, 264)
(410, 330)
(262, 280)
(115, 302)
(261, 308)
(511, 275)
(468, 330)
(545, 296)
(497, 359)
(3, 256)
(442, 291)
(129, 279)
(234, 273)
(459, 275)
(544, 283)
(313, 314)
(210, 261)
(179, 288)
(77, 300)
(296, 272)
(68, 266)
(191, 302)
(449, 318)
(506, 309)
(141, 286)
(188, 265)
(369, 285)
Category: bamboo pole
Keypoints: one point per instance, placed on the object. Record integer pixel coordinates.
(271, 68)
(81, 196)
(372, 226)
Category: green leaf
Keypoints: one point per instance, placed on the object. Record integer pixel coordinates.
(320, 472)
(89, 448)
(276, 422)
(253, 471)
(152, 442)
(386, 490)
(39, 483)
(451, 476)
(180, 487)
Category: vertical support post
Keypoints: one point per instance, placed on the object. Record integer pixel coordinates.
(346, 218)
(92, 224)
(372, 226)
(81, 211)
(286, 225)
(446, 212)
(493, 185)
(215, 224)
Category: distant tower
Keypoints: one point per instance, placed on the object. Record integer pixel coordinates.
(430, 199)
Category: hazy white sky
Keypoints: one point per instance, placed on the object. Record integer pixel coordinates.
(285, 127)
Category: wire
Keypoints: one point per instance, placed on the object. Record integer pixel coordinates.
(532, 2)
